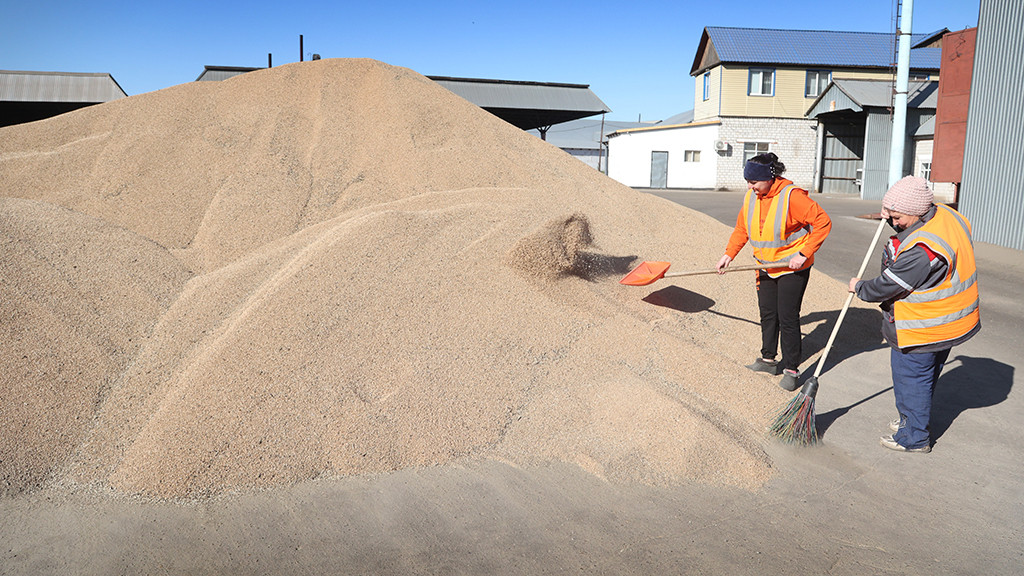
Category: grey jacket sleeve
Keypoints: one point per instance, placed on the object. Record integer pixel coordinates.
(911, 271)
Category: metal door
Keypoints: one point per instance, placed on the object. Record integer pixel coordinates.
(659, 169)
(843, 157)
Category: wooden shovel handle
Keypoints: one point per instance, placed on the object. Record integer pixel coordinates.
(727, 269)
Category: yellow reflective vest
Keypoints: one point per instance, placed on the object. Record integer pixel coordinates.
(950, 310)
(770, 243)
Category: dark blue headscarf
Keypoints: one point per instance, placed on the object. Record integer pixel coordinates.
(754, 171)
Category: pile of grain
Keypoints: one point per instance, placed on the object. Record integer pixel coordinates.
(336, 268)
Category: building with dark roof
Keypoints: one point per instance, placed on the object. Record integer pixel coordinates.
(524, 104)
(586, 139)
(527, 105)
(217, 73)
(27, 96)
(856, 127)
(758, 86)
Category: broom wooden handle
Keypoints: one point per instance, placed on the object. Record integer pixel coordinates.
(849, 299)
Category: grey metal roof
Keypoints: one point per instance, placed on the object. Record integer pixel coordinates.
(926, 129)
(527, 105)
(215, 73)
(681, 118)
(28, 86)
(856, 95)
(828, 49)
(585, 133)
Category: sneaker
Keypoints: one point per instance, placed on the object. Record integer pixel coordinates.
(892, 444)
(895, 425)
(762, 365)
(790, 380)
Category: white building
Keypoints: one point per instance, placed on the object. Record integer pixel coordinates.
(665, 156)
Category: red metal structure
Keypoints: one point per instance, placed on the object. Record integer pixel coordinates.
(951, 112)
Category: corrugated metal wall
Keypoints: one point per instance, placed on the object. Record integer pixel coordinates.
(877, 142)
(990, 196)
(23, 86)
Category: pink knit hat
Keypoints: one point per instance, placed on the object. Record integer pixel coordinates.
(910, 195)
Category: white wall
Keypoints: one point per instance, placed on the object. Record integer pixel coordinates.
(943, 191)
(629, 156)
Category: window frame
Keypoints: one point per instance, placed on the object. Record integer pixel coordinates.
(818, 81)
(707, 86)
(692, 156)
(760, 72)
(757, 144)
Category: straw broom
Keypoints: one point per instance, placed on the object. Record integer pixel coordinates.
(794, 422)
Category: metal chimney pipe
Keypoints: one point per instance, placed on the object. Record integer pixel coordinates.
(300, 47)
(270, 60)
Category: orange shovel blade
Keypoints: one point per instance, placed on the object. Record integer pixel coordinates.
(645, 273)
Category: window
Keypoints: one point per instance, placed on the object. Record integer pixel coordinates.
(707, 85)
(691, 156)
(761, 82)
(926, 170)
(816, 82)
(751, 149)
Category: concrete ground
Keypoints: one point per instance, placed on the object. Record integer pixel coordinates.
(844, 507)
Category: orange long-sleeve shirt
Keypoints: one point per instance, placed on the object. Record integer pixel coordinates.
(802, 211)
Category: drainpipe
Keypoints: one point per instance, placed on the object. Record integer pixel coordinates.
(819, 160)
(899, 116)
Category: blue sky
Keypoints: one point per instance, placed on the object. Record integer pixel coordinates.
(636, 56)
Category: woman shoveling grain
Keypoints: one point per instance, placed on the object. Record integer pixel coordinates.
(782, 223)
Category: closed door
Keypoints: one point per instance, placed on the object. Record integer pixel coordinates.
(843, 158)
(659, 169)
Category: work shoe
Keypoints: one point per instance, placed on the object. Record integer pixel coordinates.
(790, 380)
(892, 444)
(762, 365)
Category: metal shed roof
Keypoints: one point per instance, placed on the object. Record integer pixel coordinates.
(213, 73)
(27, 86)
(585, 133)
(527, 105)
(856, 95)
(829, 49)
(926, 129)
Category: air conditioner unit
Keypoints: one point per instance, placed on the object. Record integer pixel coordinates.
(721, 145)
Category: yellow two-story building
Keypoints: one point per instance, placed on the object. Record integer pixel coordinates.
(753, 92)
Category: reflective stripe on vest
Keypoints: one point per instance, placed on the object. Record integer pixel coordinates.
(768, 242)
(951, 309)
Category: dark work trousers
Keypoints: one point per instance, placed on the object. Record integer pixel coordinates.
(913, 384)
(779, 300)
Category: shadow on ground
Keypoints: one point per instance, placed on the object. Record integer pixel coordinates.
(860, 332)
(823, 421)
(684, 300)
(968, 383)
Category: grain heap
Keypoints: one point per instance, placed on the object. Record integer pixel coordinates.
(338, 267)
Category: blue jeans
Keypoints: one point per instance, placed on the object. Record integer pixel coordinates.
(913, 384)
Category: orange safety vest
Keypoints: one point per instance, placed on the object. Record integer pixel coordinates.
(770, 243)
(949, 310)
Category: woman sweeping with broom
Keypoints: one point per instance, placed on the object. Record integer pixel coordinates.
(929, 298)
(782, 224)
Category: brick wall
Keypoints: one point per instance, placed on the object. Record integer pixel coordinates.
(794, 141)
